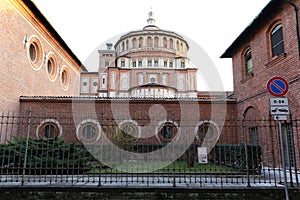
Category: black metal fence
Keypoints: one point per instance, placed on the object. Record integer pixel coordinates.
(60, 149)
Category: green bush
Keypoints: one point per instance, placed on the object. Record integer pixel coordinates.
(234, 155)
(44, 156)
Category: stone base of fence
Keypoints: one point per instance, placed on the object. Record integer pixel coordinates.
(85, 193)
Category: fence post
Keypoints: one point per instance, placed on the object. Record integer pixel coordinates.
(283, 161)
(296, 166)
(174, 167)
(246, 152)
(293, 154)
(26, 147)
(100, 170)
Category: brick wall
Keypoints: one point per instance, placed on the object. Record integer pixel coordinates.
(18, 24)
(147, 113)
(251, 90)
(253, 99)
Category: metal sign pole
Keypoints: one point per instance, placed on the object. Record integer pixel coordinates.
(283, 162)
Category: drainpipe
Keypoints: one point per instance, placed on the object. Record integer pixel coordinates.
(297, 23)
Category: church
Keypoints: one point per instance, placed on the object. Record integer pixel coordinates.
(146, 84)
(149, 63)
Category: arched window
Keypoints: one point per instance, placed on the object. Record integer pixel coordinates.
(134, 43)
(165, 42)
(171, 44)
(123, 46)
(177, 46)
(141, 42)
(277, 40)
(127, 44)
(156, 41)
(149, 42)
(248, 62)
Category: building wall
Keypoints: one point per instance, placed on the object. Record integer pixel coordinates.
(20, 31)
(251, 90)
(149, 57)
(89, 84)
(146, 115)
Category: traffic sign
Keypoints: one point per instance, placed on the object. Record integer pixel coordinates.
(279, 101)
(279, 106)
(282, 110)
(280, 117)
(277, 86)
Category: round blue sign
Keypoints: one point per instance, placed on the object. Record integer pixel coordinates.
(277, 86)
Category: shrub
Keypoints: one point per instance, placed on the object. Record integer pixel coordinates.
(44, 156)
(234, 155)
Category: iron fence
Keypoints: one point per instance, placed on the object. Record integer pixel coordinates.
(60, 149)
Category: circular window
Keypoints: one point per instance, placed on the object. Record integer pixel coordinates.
(35, 52)
(207, 132)
(152, 80)
(49, 129)
(52, 68)
(130, 129)
(95, 84)
(167, 132)
(65, 79)
(88, 131)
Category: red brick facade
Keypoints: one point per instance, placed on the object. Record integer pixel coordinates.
(268, 47)
(147, 114)
(34, 59)
(251, 89)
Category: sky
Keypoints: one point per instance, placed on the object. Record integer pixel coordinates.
(87, 25)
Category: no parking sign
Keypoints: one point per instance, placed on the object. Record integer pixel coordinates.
(277, 86)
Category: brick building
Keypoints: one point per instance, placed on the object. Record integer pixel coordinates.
(146, 63)
(151, 64)
(139, 78)
(151, 120)
(268, 47)
(34, 58)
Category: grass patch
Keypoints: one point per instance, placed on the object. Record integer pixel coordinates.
(163, 167)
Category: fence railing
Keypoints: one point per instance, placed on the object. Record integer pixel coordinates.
(60, 149)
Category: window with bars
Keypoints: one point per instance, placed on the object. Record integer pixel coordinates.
(253, 135)
(288, 145)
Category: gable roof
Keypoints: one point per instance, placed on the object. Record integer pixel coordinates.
(260, 20)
